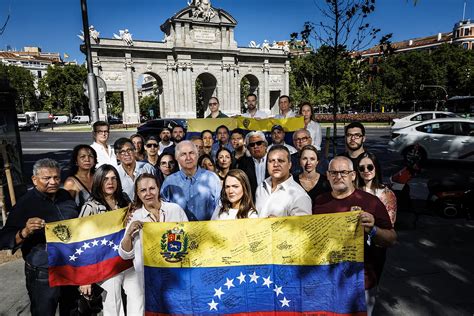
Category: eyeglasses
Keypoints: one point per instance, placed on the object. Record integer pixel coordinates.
(368, 167)
(302, 139)
(213, 103)
(342, 173)
(102, 132)
(259, 143)
(151, 145)
(128, 151)
(167, 163)
(355, 136)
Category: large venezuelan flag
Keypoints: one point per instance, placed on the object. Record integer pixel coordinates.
(308, 265)
(85, 250)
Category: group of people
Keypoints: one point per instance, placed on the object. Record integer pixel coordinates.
(217, 175)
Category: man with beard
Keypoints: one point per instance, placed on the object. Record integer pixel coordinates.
(24, 229)
(379, 233)
(165, 140)
(177, 134)
(355, 138)
(278, 138)
(252, 111)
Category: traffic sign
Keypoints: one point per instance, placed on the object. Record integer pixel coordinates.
(101, 87)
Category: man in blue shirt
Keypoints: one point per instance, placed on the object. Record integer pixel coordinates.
(196, 190)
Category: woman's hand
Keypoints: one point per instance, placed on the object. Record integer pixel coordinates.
(134, 228)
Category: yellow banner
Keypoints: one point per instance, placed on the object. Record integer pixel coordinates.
(299, 240)
(264, 125)
(84, 228)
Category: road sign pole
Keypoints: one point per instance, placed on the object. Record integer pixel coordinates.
(91, 79)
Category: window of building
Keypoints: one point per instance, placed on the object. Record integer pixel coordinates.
(466, 32)
(40, 75)
(465, 45)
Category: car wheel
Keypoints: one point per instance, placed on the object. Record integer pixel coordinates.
(414, 155)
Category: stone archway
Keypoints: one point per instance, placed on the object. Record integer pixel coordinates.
(248, 84)
(150, 95)
(206, 87)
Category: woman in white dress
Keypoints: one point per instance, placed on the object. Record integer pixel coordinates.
(147, 207)
(236, 198)
(314, 128)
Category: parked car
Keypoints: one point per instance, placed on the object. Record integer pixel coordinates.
(24, 122)
(61, 119)
(419, 117)
(448, 138)
(114, 120)
(81, 119)
(154, 127)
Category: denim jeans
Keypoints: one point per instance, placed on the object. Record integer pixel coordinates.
(43, 298)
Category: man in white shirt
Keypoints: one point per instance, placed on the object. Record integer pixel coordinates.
(279, 195)
(105, 152)
(165, 140)
(278, 138)
(129, 168)
(284, 103)
(252, 110)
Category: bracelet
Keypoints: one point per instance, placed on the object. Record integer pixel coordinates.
(21, 235)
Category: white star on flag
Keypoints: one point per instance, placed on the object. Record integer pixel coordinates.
(253, 277)
(95, 243)
(229, 283)
(285, 302)
(212, 305)
(241, 278)
(79, 251)
(111, 243)
(115, 247)
(104, 242)
(72, 258)
(218, 292)
(267, 282)
(86, 245)
(278, 290)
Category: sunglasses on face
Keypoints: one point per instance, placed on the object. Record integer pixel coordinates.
(369, 168)
(259, 143)
(151, 145)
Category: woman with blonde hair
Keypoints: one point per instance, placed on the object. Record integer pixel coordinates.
(236, 198)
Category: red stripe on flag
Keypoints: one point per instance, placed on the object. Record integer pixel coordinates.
(69, 275)
(315, 313)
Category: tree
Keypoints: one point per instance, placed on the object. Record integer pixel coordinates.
(343, 29)
(114, 103)
(149, 102)
(62, 91)
(23, 81)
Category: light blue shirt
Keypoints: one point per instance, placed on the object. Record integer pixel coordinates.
(128, 184)
(216, 146)
(197, 195)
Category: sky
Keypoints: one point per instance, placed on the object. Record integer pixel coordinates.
(54, 25)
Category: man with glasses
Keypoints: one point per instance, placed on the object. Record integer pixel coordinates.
(379, 232)
(151, 148)
(301, 138)
(24, 229)
(279, 195)
(129, 168)
(355, 138)
(105, 152)
(214, 108)
(196, 190)
(255, 166)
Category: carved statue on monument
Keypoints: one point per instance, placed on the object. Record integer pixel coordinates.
(266, 46)
(93, 34)
(125, 36)
(203, 9)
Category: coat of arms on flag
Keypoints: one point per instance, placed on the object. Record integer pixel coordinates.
(174, 244)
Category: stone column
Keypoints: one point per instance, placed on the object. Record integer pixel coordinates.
(130, 108)
(287, 77)
(181, 87)
(266, 85)
(233, 94)
(189, 89)
(223, 96)
(170, 69)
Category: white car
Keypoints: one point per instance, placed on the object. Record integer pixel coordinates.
(419, 117)
(80, 119)
(449, 138)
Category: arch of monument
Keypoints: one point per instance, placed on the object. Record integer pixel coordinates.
(195, 45)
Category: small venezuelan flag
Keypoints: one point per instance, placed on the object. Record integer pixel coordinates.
(307, 265)
(85, 250)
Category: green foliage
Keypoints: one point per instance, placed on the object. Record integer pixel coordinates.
(62, 91)
(114, 103)
(22, 80)
(149, 102)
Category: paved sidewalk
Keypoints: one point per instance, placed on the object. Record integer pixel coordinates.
(13, 296)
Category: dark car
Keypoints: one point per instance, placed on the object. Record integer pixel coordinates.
(114, 120)
(154, 127)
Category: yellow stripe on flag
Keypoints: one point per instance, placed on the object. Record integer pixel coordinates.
(264, 125)
(84, 228)
(299, 240)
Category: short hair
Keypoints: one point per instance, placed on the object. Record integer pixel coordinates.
(238, 131)
(45, 163)
(73, 166)
(152, 138)
(166, 129)
(177, 149)
(195, 137)
(311, 148)
(301, 130)
(279, 148)
(215, 98)
(284, 96)
(119, 143)
(251, 95)
(260, 134)
(349, 162)
(222, 126)
(178, 126)
(355, 125)
(310, 106)
(98, 124)
(206, 131)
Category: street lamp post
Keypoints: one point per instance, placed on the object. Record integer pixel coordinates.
(91, 79)
(423, 86)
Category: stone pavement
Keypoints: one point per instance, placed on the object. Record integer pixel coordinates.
(430, 271)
